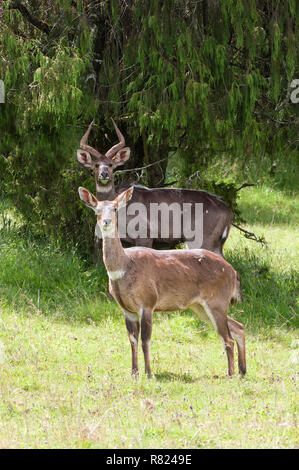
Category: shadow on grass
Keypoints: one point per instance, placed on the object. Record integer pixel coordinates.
(269, 296)
(167, 376)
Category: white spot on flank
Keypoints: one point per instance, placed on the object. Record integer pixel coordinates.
(207, 211)
(224, 235)
(115, 275)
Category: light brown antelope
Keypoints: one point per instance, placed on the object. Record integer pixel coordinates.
(216, 220)
(143, 280)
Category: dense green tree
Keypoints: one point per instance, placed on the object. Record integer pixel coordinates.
(196, 78)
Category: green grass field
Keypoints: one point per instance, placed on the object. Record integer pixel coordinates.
(65, 357)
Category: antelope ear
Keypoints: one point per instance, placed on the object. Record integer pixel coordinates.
(84, 158)
(121, 156)
(123, 198)
(89, 199)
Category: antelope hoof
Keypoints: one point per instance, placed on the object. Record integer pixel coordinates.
(135, 374)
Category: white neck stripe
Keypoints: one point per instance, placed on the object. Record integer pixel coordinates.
(115, 275)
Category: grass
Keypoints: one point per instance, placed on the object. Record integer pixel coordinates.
(65, 356)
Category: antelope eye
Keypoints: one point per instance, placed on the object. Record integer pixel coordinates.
(110, 164)
(97, 165)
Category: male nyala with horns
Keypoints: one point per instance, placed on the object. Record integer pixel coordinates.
(216, 216)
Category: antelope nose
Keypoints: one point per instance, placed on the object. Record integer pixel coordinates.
(106, 222)
(104, 175)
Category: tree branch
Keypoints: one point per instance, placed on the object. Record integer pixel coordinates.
(244, 185)
(16, 5)
(140, 168)
(251, 235)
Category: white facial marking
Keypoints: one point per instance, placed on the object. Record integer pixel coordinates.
(108, 232)
(115, 275)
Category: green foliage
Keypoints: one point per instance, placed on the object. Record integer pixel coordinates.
(204, 79)
(46, 96)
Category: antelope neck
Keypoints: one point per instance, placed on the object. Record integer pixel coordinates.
(114, 256)
(106, 194)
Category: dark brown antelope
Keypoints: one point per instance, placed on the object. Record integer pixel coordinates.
(101, 165)
(216, 216)
(143, 280)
